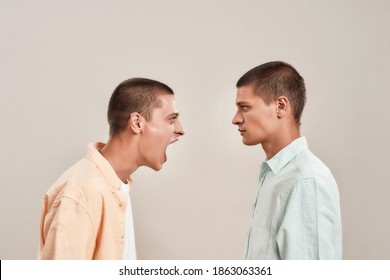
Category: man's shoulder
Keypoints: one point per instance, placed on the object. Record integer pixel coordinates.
(309, 166)
(305, 172)
(79, 181)
(305, 165)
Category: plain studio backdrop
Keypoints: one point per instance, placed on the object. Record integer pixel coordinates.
(61, 60)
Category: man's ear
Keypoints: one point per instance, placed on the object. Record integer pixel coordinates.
(136, 122)
(282, 104)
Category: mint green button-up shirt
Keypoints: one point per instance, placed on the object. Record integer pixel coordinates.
(296, 214)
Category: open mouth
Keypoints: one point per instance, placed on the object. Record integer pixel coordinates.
(173, 141)
(165, 153)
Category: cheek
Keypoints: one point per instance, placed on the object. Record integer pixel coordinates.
(160, 137)
(253, 121)
(258, 124)
(152, 138)
(169, 131)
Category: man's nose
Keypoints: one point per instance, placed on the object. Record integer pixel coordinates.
(237, 119)
(179, 129)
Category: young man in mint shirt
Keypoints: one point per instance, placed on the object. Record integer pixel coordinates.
(296, 213)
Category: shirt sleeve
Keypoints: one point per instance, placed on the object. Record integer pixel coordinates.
(310, 223)
(67, 232)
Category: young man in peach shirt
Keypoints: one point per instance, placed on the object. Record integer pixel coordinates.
(86, 214)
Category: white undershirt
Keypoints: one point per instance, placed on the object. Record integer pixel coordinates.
(129, 252)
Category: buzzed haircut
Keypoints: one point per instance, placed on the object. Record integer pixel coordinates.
(273, 79)
(134, 95)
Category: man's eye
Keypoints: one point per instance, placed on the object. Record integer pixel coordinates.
(244, 108)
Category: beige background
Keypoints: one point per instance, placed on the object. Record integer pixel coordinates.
(60, 61)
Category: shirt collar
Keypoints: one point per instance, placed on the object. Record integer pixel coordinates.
(94, 155)
(285, 155)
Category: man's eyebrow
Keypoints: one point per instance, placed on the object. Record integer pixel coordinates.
(238, 103)
(173, 115)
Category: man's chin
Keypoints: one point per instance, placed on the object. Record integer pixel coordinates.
(156, 167)
(248, 142)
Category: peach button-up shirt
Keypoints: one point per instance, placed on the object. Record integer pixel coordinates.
(83, 213)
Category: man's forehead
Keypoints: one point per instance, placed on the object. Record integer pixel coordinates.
(168, 105)
(245, 94)
(167, 100)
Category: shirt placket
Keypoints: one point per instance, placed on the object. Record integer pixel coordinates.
(263, 174)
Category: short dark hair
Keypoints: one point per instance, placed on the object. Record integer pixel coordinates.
(273, 79)
(134, 95)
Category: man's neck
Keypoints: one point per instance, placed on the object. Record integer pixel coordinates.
(274, 146)
(121, 157)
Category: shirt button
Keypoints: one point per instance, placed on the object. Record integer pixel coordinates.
(121, 204)
(122, 236)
